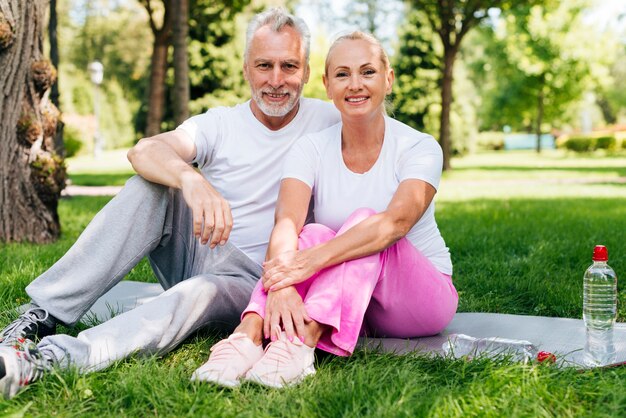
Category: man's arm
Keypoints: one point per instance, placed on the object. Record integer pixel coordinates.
(165, 159)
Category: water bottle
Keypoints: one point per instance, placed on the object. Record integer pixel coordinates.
(461, 345)
(599, 309)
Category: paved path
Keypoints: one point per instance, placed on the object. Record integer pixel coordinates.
(73, 190)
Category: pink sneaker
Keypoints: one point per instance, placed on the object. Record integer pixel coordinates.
(284, 363)
(229, 361)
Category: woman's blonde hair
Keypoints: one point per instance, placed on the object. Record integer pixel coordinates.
(355, 36)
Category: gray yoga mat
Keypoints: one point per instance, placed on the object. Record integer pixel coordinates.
(563, 337)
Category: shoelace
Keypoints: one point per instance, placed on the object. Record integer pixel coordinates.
(281, 350)
(222, 348)
(22, 323)
(33, 364)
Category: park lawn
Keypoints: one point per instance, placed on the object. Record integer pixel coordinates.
(518, 247)
(111, 169)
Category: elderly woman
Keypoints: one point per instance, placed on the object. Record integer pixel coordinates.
(374, 263)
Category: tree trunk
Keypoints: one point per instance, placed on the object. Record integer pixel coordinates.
(156, 94)
(31, 174)
(59, 147)
(158, 68)
(181, 62)
(540, 98)
(54, 49)
(446, 105)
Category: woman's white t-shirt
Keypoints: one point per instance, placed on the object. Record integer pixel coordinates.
(316, 159)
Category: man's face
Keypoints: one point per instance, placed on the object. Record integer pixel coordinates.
(277, 71)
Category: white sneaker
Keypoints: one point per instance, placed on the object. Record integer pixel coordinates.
(284, 363)
(20, 365)
(229, 361)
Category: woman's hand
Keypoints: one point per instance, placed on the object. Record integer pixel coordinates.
(285, 306)
(289, 268)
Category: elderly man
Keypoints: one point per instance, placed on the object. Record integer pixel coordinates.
(205, 231)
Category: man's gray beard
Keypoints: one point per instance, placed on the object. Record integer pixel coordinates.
(276, 111)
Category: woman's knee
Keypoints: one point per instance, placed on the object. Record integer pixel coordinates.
(359, 215)
(313, 234)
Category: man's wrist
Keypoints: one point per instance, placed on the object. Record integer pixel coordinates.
(187, 175)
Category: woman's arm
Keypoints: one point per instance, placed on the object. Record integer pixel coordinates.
(286, 306)
(370, 236)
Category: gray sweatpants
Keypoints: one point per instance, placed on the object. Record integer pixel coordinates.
(204, 287)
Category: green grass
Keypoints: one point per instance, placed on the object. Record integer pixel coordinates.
(520, 243)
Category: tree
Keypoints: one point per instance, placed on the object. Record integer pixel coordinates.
(181, 61)
(540, 62)
(158, 64)
(416, 65)
(452, 20)
(31, 174)
(216, 53)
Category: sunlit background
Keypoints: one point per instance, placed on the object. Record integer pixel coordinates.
(571, 54)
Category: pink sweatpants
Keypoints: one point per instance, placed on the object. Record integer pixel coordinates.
(395, 293)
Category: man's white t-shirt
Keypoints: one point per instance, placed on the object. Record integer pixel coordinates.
(242, 159)
(316, 159)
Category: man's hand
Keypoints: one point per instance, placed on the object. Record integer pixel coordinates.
(289, 268)
(211, 212)
(285, 306)
(165, 159)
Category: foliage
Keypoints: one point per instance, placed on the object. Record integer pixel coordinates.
(71, 141)
(215, 56)
(611, 94)
(116, 35)
(417, 65)
(580, 144)
(490, 140)
(590, 143)
(606, 142)
(317, 59)
(115, 108)
(531, 65)
(416, 101)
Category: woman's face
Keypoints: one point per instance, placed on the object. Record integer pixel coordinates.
(357, 81)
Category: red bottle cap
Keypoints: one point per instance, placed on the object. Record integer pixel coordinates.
(600, 253)
(546, 356)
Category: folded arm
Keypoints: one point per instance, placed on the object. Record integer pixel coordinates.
(165, 159)
(370, 236)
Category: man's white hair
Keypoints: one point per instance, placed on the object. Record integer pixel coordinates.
(277, 18)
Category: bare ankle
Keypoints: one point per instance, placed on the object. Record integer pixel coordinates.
(252, 326)
(314, 331)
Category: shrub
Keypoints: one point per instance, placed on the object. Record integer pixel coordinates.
(71, 141)
(492, 141)
(584, 144)
(606, 142)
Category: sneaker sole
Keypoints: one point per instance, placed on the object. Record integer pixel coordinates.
(254, 378)
(8, 367)
(196, 377)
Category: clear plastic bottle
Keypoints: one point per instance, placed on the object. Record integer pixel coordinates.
(460, 345)
(599, 309)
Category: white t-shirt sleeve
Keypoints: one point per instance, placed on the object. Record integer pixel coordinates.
(302, 161)
(423, 160)
(203, 130)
